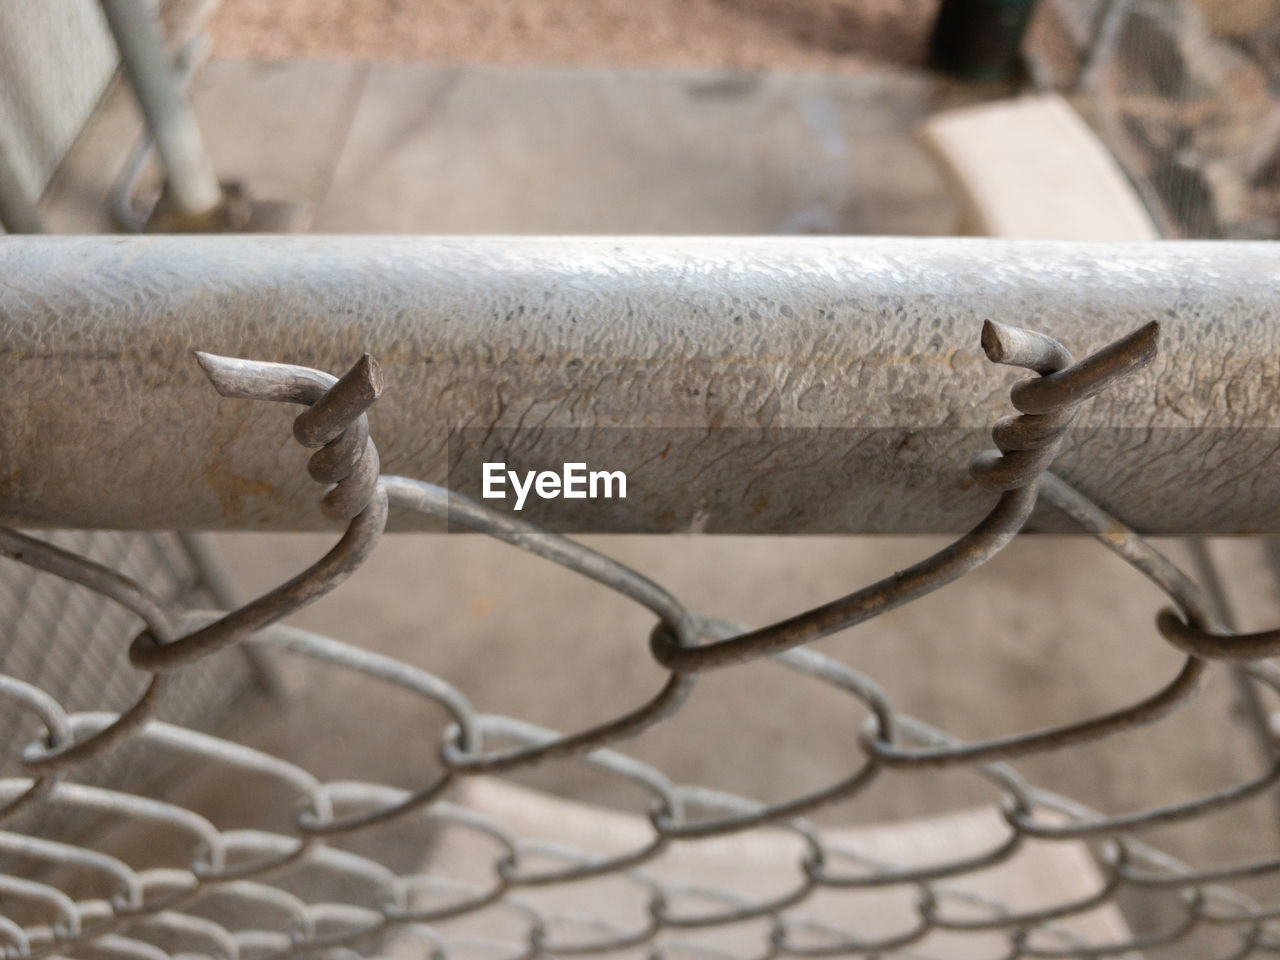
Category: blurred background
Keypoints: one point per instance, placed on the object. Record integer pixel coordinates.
(777, 115)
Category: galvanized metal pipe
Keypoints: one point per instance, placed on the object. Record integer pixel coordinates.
(801, 385)
(193, 185)
(128, 215)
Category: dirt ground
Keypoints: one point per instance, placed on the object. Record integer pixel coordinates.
(740, 34)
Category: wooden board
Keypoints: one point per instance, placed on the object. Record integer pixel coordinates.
(1031, 169)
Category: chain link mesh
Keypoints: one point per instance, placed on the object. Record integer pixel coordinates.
(1183, 94)
(65, 640)
(297, 878)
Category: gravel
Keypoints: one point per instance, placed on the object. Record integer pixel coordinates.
(728, 34)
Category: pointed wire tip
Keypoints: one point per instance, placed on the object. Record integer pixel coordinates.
(1017, 347)
(993, 340)
(217, 368)
(348, 398)
(368, 373)
(1133, 351)
(1146, 339)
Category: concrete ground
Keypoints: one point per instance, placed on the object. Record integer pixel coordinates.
(1053, 629)
(423, 149)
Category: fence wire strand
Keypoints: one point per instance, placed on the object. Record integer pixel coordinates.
(230, 899)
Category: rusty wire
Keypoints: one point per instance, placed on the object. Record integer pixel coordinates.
(150, 907)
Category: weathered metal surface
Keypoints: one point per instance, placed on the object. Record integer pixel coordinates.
(800, 385)
(1015, 469)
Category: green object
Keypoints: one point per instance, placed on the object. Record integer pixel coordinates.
(979, 39)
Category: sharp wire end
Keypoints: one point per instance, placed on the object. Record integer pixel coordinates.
(1150, 334)
(215, 367)
(369, 374)
(992, 341)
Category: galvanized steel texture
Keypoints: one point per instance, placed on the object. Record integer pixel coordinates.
(105, 425)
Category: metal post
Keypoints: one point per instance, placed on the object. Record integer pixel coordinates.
(766, 384)
(193, 187)
(17, 213)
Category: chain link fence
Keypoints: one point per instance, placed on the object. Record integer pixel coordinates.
(293, 878)
(1184, 95)
(64, 638)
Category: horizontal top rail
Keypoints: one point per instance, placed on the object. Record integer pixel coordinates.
(766, 384)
